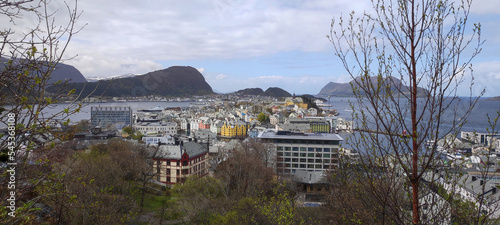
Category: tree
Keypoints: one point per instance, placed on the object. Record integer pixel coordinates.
(244, 174)
(28, 56)
(405, 45)
(262, 117)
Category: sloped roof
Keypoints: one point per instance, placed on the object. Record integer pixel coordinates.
(192, 148)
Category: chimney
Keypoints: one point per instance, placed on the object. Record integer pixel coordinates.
(494, 190)
(474, 178)
(481, 182)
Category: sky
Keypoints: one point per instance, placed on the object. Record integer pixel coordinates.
(239, 44)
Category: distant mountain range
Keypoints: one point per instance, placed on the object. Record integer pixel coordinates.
(271, 92)
(62, 72)
(497, 98)
(173, 81)
(346, 89)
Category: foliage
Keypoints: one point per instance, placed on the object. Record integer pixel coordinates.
(262, 117)
(405, 45)
(28, 60)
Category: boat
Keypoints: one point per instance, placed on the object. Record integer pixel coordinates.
(155, 109)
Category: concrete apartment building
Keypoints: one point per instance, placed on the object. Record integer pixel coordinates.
(314, 152)
(109, 115)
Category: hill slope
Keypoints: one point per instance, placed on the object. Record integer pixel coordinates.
(173, 81)
(62, 72)
(276, 92)
(250, 91)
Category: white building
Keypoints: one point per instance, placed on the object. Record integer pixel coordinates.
(165, 128)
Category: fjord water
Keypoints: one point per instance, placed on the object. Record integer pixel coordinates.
(477, 121)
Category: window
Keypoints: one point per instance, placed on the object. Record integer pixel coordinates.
(310, 149)
(302, 149)
(326, 150)
(319, 149)
(295, 149)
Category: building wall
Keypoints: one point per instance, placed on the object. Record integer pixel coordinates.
(107, 115)
(231, 130)
(203, 125)
(320, 127)
(309, 152)
(172, 171)
(311, 157)
(157, 128)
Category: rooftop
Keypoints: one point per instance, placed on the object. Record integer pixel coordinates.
(299, 136)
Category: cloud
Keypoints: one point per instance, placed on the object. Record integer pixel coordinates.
(201, 70)
(220, 77)
(95, 67)
(487, 76)
(485, 7)
(219, 29)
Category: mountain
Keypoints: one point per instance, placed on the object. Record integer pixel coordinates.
(173, 81)
(497, 98)
(62, 72)
(96, 79)
(346, 89)
(276, 92)
(250, 91)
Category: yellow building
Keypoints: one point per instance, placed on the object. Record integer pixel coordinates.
(234, 129)
(295, 101)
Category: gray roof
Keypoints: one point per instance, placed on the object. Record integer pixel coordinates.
(192, 148)
(299, 136)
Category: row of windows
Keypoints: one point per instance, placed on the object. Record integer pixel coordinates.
(155, 128)
(308, 155)
(292, 171)
(309, 160)
(304, 149)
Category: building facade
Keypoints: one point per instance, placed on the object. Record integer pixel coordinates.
(175, 163)
(164, 128)
(109, 115)
(234, 129)
(304, 151)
